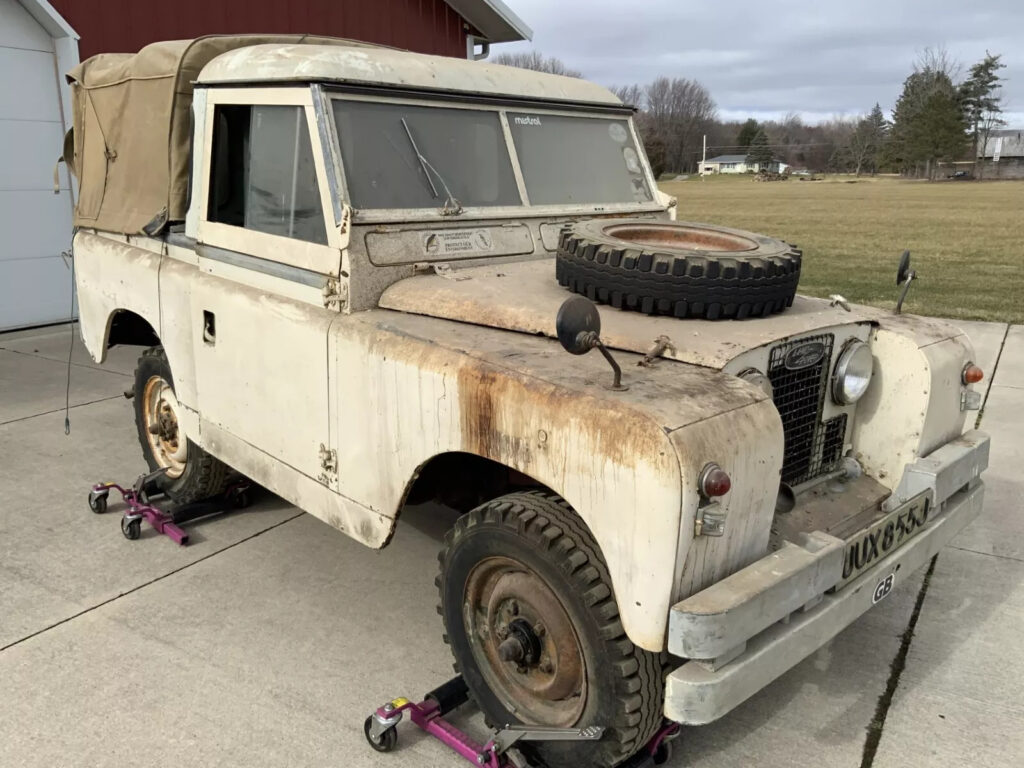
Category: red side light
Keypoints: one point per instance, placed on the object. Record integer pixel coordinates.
(714, 481)
(972, 374)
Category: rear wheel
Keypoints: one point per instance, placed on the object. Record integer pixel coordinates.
(191, 473)
(530, 616)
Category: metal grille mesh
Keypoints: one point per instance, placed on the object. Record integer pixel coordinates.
(812, 447)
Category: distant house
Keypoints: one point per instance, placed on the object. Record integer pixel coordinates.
(1002, 156)
(738, 164)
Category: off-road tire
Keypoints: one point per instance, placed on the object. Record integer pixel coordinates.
(625, 684)
(681, 282)
(204, 476)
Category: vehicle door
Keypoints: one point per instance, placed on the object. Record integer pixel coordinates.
(267, 248)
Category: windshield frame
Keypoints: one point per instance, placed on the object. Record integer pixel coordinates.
(502, 108)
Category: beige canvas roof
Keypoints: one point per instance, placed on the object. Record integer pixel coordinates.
(132, 128)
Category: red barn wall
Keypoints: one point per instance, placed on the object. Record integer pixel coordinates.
(125, 26)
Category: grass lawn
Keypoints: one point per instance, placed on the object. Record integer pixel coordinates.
(966, 239)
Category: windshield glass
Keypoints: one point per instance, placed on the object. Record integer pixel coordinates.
(567, 160)
(402, 156)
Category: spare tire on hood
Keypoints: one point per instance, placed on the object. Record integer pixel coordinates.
(677, 268)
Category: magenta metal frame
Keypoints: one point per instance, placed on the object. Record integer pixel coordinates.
(426, 715)
(137, 508)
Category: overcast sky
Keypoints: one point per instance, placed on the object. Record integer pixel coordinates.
(765, 58)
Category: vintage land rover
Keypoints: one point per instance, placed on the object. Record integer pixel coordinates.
(349, 268)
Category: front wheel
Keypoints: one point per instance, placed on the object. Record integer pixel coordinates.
(530, 616)
(191, 473)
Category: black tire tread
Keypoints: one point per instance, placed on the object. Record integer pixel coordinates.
(550, 524)
(690, 284)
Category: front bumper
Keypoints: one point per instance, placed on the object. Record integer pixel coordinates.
(748, 629)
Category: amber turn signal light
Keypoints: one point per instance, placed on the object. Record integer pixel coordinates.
(714, 481)
(972, 374)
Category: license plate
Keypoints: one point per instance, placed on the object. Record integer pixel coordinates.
(887, 535)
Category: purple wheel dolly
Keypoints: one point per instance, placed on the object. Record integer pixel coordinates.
(139, 507)
(499, 751)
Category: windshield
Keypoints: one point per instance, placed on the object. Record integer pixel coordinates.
(404, 156)
(577, 159)
(401, 156)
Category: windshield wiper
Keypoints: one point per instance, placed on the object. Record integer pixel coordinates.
(451, 207)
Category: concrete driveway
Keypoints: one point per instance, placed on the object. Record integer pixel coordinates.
(268, 640)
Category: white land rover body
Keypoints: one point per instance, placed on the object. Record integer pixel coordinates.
(342, 262)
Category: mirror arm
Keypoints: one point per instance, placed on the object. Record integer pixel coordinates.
(903, 292)
(617, 381)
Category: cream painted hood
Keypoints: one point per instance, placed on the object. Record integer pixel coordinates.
(524, 296)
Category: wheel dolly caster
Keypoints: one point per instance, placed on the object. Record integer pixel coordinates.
(381, 732)
(164, 521)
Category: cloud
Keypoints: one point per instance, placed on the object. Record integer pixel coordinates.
(767, 59)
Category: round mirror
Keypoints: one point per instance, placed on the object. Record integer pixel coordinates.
(904, 270)
(577, 319)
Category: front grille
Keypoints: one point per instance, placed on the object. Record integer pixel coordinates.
(813, 447)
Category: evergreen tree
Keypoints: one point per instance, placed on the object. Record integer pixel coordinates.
(747, 133)
(759, 152)
(878, 130)
(928, 122)
(982, 103)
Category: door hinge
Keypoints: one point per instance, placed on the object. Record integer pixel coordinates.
(335, 293)
(328, 464)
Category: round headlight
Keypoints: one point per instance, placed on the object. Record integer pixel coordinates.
(853, 373)
(759, 380)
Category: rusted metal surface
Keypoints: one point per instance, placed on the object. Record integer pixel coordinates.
(837, 508)
(748, 444)
(525, 297)
(680, 236)
(160, 421)
(427, 386)
(525, 643)
(426, 26)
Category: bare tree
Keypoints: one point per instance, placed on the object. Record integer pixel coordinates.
(538, 62)
(677, 112)
(939, 61)
(633, 95)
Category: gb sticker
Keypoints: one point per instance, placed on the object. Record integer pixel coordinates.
(883, 588)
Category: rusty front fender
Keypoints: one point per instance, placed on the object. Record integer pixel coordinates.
(610, 459)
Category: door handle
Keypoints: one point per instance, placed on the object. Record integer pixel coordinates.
(209, 327)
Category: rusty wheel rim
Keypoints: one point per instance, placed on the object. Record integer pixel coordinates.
(160, 410)
(524, 643)
(681, 237)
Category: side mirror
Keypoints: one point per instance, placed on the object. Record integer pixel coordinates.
(904, 277)
(578, 327)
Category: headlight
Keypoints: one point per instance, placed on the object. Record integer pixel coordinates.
(853, 373)
(759, 380)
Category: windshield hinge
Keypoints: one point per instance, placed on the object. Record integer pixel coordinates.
(328, 464)
(335, 294)
(451, 207)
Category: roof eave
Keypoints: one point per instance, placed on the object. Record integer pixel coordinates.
(493, 19)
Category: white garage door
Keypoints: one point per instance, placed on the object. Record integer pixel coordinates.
(35, 224)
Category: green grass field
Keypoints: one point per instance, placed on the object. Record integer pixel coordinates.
(966, 238)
